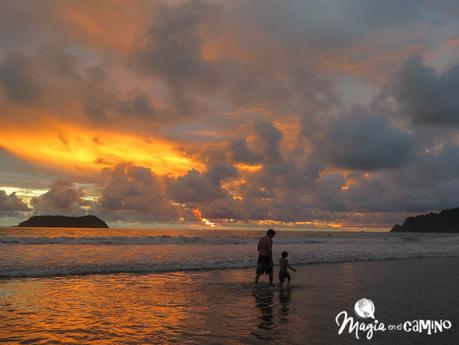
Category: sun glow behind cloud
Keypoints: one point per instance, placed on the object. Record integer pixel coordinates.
(328, 123)
(76, 148)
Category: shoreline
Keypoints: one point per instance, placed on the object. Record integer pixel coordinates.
(198, 270)
(225, 307)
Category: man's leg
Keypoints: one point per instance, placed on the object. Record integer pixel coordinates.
(257, 278)
(271, 278)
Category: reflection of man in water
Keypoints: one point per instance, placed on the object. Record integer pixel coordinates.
(264, 302)
(265, 256)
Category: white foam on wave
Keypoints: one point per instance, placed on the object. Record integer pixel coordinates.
(163, 268)
(203, 253)
(181, 239)
(146, 240)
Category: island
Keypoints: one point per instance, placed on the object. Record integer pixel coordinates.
(64, 222)
(445, 221)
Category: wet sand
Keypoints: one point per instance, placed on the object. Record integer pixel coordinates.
(224, 307)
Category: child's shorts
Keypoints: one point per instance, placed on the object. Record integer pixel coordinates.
(283, 275)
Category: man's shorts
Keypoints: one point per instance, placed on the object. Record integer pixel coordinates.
(283, 275)
(265, 265)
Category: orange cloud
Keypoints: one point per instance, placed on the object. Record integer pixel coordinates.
(364, 60)
(249, 167)
(113, 24)
(76, 148)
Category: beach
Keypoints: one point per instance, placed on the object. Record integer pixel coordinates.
(221, 305)
(157, 157)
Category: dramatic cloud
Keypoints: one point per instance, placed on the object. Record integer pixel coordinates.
(136, 191)
(428, 97)
(16, 78)
(365, 142)
(63, 197)
(308, 113)
(264, 148)
(195, 189)
(171, 51)
(11, 202)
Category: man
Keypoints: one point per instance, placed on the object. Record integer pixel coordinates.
(265, 256)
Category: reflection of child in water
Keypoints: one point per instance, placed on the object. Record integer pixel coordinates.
(283, 265)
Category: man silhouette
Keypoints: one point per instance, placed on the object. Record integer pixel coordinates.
(265, 256)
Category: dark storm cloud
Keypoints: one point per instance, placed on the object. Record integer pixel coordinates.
(428, 97)
(26, 22)
(42, 79)
(364, 142)
(429, 182)
(232, 82)
(16, 77)
(171, 50)
(195, 187)
(134, 190)
(103, 103)
(269, 139)
(242, 153)
(327, 23)
(53, 80)
(265, 148)
(137, 105)
(10, 202)
(282, 190)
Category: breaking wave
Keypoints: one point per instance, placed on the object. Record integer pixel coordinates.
(22, 257)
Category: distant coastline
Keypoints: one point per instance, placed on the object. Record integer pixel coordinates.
(64, 221)
(446, 221)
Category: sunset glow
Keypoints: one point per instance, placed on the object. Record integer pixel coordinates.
(79, 149)
(228, 171)
(255, 111)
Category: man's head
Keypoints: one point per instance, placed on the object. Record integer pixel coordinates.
(284, 254)
(270, 233)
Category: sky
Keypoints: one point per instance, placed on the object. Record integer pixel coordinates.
(299, 114)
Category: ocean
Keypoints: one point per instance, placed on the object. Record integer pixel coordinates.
(49, 252)
(140, 286)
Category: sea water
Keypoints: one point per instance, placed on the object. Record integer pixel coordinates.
(48, 252)
(119, 286)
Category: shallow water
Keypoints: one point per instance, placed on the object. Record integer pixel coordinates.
(223, 307)
(49, 252)
(52, 289)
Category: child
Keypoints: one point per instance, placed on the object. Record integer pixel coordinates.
(283, 265)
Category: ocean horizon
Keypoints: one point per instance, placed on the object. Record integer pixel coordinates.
(217, 172)
(48, 252)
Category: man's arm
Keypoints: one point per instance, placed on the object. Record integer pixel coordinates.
(271, 250)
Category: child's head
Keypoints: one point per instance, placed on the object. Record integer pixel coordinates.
(284, 254)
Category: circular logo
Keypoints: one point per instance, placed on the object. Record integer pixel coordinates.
(365, 308)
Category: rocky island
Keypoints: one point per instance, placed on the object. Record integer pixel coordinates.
(64, 222)
(445, 221)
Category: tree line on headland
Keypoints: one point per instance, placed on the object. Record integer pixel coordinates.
(444, 221)
(64, 222)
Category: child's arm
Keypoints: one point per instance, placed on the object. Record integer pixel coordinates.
(291, 268)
